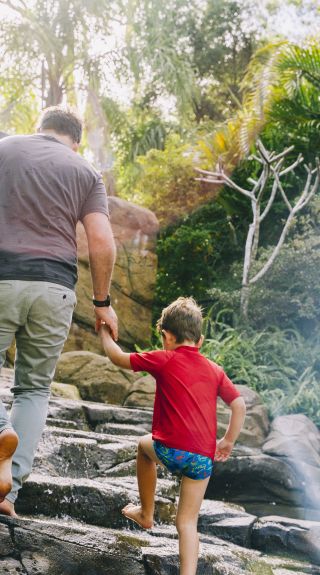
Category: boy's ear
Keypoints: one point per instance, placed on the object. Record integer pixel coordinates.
(168, 335)
(200, 342)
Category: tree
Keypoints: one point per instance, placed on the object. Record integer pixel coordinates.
(280, 101)
(272, 167)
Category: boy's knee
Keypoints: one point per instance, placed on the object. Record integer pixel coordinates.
(143, 442)
(185, 524)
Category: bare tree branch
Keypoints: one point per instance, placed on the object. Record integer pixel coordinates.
(272, 166)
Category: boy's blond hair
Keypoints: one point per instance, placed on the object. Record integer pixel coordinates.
(183, 318)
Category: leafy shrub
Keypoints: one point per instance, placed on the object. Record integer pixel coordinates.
(194, 253)
(281, 366)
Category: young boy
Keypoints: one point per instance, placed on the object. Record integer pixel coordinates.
(183, 435)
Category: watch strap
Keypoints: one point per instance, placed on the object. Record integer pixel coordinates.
(102, 303)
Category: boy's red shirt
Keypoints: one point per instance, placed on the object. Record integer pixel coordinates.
(188, 385)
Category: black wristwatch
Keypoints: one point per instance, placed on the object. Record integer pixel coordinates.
(102, 303)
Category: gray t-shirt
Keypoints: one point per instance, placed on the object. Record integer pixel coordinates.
(45, 189)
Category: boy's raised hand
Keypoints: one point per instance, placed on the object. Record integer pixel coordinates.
(224, 448)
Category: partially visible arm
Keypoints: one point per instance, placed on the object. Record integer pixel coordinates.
(113, 351)
(237, 417)
(102, 255)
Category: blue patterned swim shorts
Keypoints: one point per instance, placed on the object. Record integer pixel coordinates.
(191, 465)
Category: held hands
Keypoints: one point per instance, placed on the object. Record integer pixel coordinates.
(224, 448)
(107, 316)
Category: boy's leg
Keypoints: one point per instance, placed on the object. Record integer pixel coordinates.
(147, 480)
(191, 496)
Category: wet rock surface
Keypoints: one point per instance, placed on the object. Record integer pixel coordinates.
(70, 508)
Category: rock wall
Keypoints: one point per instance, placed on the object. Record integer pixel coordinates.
(135, 230)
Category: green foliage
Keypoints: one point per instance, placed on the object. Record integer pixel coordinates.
(19, 110)
(166, 183)
(193, 254)
(280, 365)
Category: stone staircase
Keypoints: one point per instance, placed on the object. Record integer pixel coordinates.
(84, 473)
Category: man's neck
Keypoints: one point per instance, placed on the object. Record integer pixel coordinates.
(63, 138)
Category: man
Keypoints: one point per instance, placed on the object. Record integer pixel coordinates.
(45, 189)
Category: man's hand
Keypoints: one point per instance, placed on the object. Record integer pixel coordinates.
(224, 448)
(107, 316)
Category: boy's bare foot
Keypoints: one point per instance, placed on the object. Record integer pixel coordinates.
(8, 445)
(134, 513)
(7, 508)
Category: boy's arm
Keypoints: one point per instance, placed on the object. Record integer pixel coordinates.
(113, 351)
(237, 417)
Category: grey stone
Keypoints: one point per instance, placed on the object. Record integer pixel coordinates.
(121, 429)
(142, 392)
(94, 502)
(97, 414)
(256, 478)
(6, 544)
(230, 522)
(297, 537)
(256, 424)
(294, 436)
(9, 566)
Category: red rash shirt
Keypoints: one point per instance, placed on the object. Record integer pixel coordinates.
(185, 404)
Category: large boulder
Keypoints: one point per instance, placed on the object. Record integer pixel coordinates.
(283, 535)
(294, 436)
(135, 230)
(97, 379)
(256, 424)
(95, 376)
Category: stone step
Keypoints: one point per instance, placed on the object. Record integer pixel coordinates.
(91, 501)
(31, 546)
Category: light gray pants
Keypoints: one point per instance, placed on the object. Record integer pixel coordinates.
(38, 314)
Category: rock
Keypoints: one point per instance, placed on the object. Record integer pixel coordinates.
(96, 378)
(99, 414)
(85, 471)
(65, 390)
(231, 521)
(6, 543)
(56, 547)
(83, 339)
(142, 392)
(294, 436)
(295, 537)
(121, 429)
(10, 566)
(256, 425)
(135, 230)
(94, 502)
(255, 477)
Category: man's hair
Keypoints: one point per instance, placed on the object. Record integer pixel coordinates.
(183, 318)
(61, 120)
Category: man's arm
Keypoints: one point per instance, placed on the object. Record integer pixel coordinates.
(102, 255)
(113, 351)
(237, 417)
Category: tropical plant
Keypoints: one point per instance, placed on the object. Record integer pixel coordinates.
(281, 95)
(280, 365)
